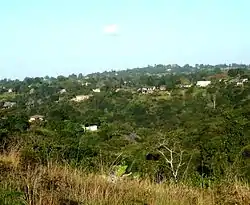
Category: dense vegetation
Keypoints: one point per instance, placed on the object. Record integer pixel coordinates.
(178, 132)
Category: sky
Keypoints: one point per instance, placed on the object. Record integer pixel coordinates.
(61, 37)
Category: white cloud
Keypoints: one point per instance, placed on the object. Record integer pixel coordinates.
(111, 29)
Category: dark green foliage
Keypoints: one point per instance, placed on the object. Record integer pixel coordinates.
(10, 197)
(207, 127)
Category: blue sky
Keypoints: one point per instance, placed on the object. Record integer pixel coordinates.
(53, 37)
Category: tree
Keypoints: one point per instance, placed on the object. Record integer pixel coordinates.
(175, 163)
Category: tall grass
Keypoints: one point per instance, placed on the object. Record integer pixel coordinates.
(55, 184)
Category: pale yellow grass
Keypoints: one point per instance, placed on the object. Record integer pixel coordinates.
(61, 185)
(12, 158)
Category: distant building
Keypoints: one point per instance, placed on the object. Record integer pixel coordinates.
(187, 86)
(241, 82)
(7, 105)
(91, 128)
(36, 118)
(62, 91)
(10, 90)
(86, 83)
(142, 90)
(146, 90)
(97, 90)
(80, 98)
(163, 88)
(203, 83)
(32, 91)
(245, 80)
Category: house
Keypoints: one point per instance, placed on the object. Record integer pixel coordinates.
(80, 98)
(32, 90)
(142, 90)
(245, 80)
(86, 84)
(7, 105)
(10, 90)
(62, 91)
(187, 86)
(238, 81)
(97, 90)
(163, 88)
(91, 128)
(36, 118)
(241, 82)
(146, 90)
(203, 83)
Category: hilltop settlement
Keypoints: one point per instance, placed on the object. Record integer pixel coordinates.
(165, 123)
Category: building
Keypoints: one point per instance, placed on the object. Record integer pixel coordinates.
(86, 83)
(62, 91)
(91, 128)
(7, 105)
(245, 80)
(32, 90)
(146, 90)
(203, 83)
(80, 98)
(163, 88)
(142, 90)
(187, 86)
(36, 118)
(242, 81)
(97, 90)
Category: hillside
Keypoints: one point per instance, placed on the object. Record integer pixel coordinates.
(184, 131)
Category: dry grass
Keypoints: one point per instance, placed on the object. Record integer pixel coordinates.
(61, 185)
(12, 158)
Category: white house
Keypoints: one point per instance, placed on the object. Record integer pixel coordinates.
(163, 88)
(146, 90)
(80, 98)
(32, 90)
(187, 86)
(62, 91)
(36, 118)
(9, 104)
(10, 90)
(239, 84)
(97, 90)
(86, 83)
(245, 80)
(203, 83)
(91, 128)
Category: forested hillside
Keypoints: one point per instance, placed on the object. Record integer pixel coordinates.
(163, 123)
